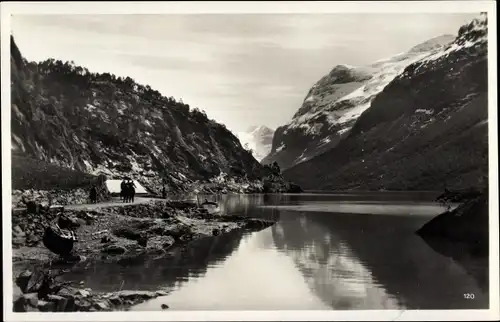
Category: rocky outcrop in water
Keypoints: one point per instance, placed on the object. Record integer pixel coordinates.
(468, 224)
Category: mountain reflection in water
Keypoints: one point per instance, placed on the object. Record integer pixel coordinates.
(308, 260)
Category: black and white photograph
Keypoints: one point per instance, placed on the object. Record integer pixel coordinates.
(263, 160)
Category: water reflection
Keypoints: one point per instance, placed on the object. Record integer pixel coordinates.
(308, 260)
(475, 265)
(255, 277)
(338, 277)
(373, 262)
(148, 273)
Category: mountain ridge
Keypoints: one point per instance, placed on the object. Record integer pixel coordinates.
(94, 123)
(426, 129)
(335, 102)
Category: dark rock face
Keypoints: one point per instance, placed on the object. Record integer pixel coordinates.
(463, 235)
(66, 116)
(468, 223)
(426, 129)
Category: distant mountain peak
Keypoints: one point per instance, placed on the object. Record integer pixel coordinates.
(258, 139)
(259, 128)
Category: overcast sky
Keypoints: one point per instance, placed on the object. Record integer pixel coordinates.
(242, 69)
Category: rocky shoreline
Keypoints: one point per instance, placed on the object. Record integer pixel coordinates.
(61, 298)
(130, 231)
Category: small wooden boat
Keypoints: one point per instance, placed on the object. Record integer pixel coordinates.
(59, 241)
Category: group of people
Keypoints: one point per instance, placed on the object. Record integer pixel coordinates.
(127, 191)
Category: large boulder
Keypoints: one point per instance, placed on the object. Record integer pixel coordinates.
(468, 223)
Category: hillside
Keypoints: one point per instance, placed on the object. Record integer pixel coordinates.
(336, 101)
(259, 139)
(63, 115)
(427, 128)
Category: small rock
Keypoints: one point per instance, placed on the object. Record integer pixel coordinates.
(105, 239)
(23, 279)
(45, 306)
(82, 305)
(102, 305)
(114, 250)
(20, 305)
(70, 305)
(115, 300)
(134, 295)
(161, 293)
(83, 293)
(18, 231)
(60, 301)
(18, 241)
(31, 299)
(68, 292)
(26, 302)
(164, 306)
(215, 232)
(143, 241)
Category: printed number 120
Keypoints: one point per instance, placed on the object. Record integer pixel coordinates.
(469, 296)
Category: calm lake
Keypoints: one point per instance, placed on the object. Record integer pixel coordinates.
(327, 251)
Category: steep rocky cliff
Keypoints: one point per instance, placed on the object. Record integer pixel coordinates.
(336, 101)
(64, 115)
(427, 128)
(259, 139)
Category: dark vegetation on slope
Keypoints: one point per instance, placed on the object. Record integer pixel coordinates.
(99, 123)
(29, 173)
(426, 130)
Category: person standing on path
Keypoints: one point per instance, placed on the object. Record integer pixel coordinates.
(131, 190)
(93, 194)
(123, 187)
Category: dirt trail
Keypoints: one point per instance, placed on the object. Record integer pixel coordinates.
(114, 202)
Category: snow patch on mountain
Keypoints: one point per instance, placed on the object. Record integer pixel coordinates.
(338, 99)
(259, 139)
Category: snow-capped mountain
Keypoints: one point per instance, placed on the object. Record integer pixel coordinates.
(336, 101)
(259, 139)
(426, 129)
